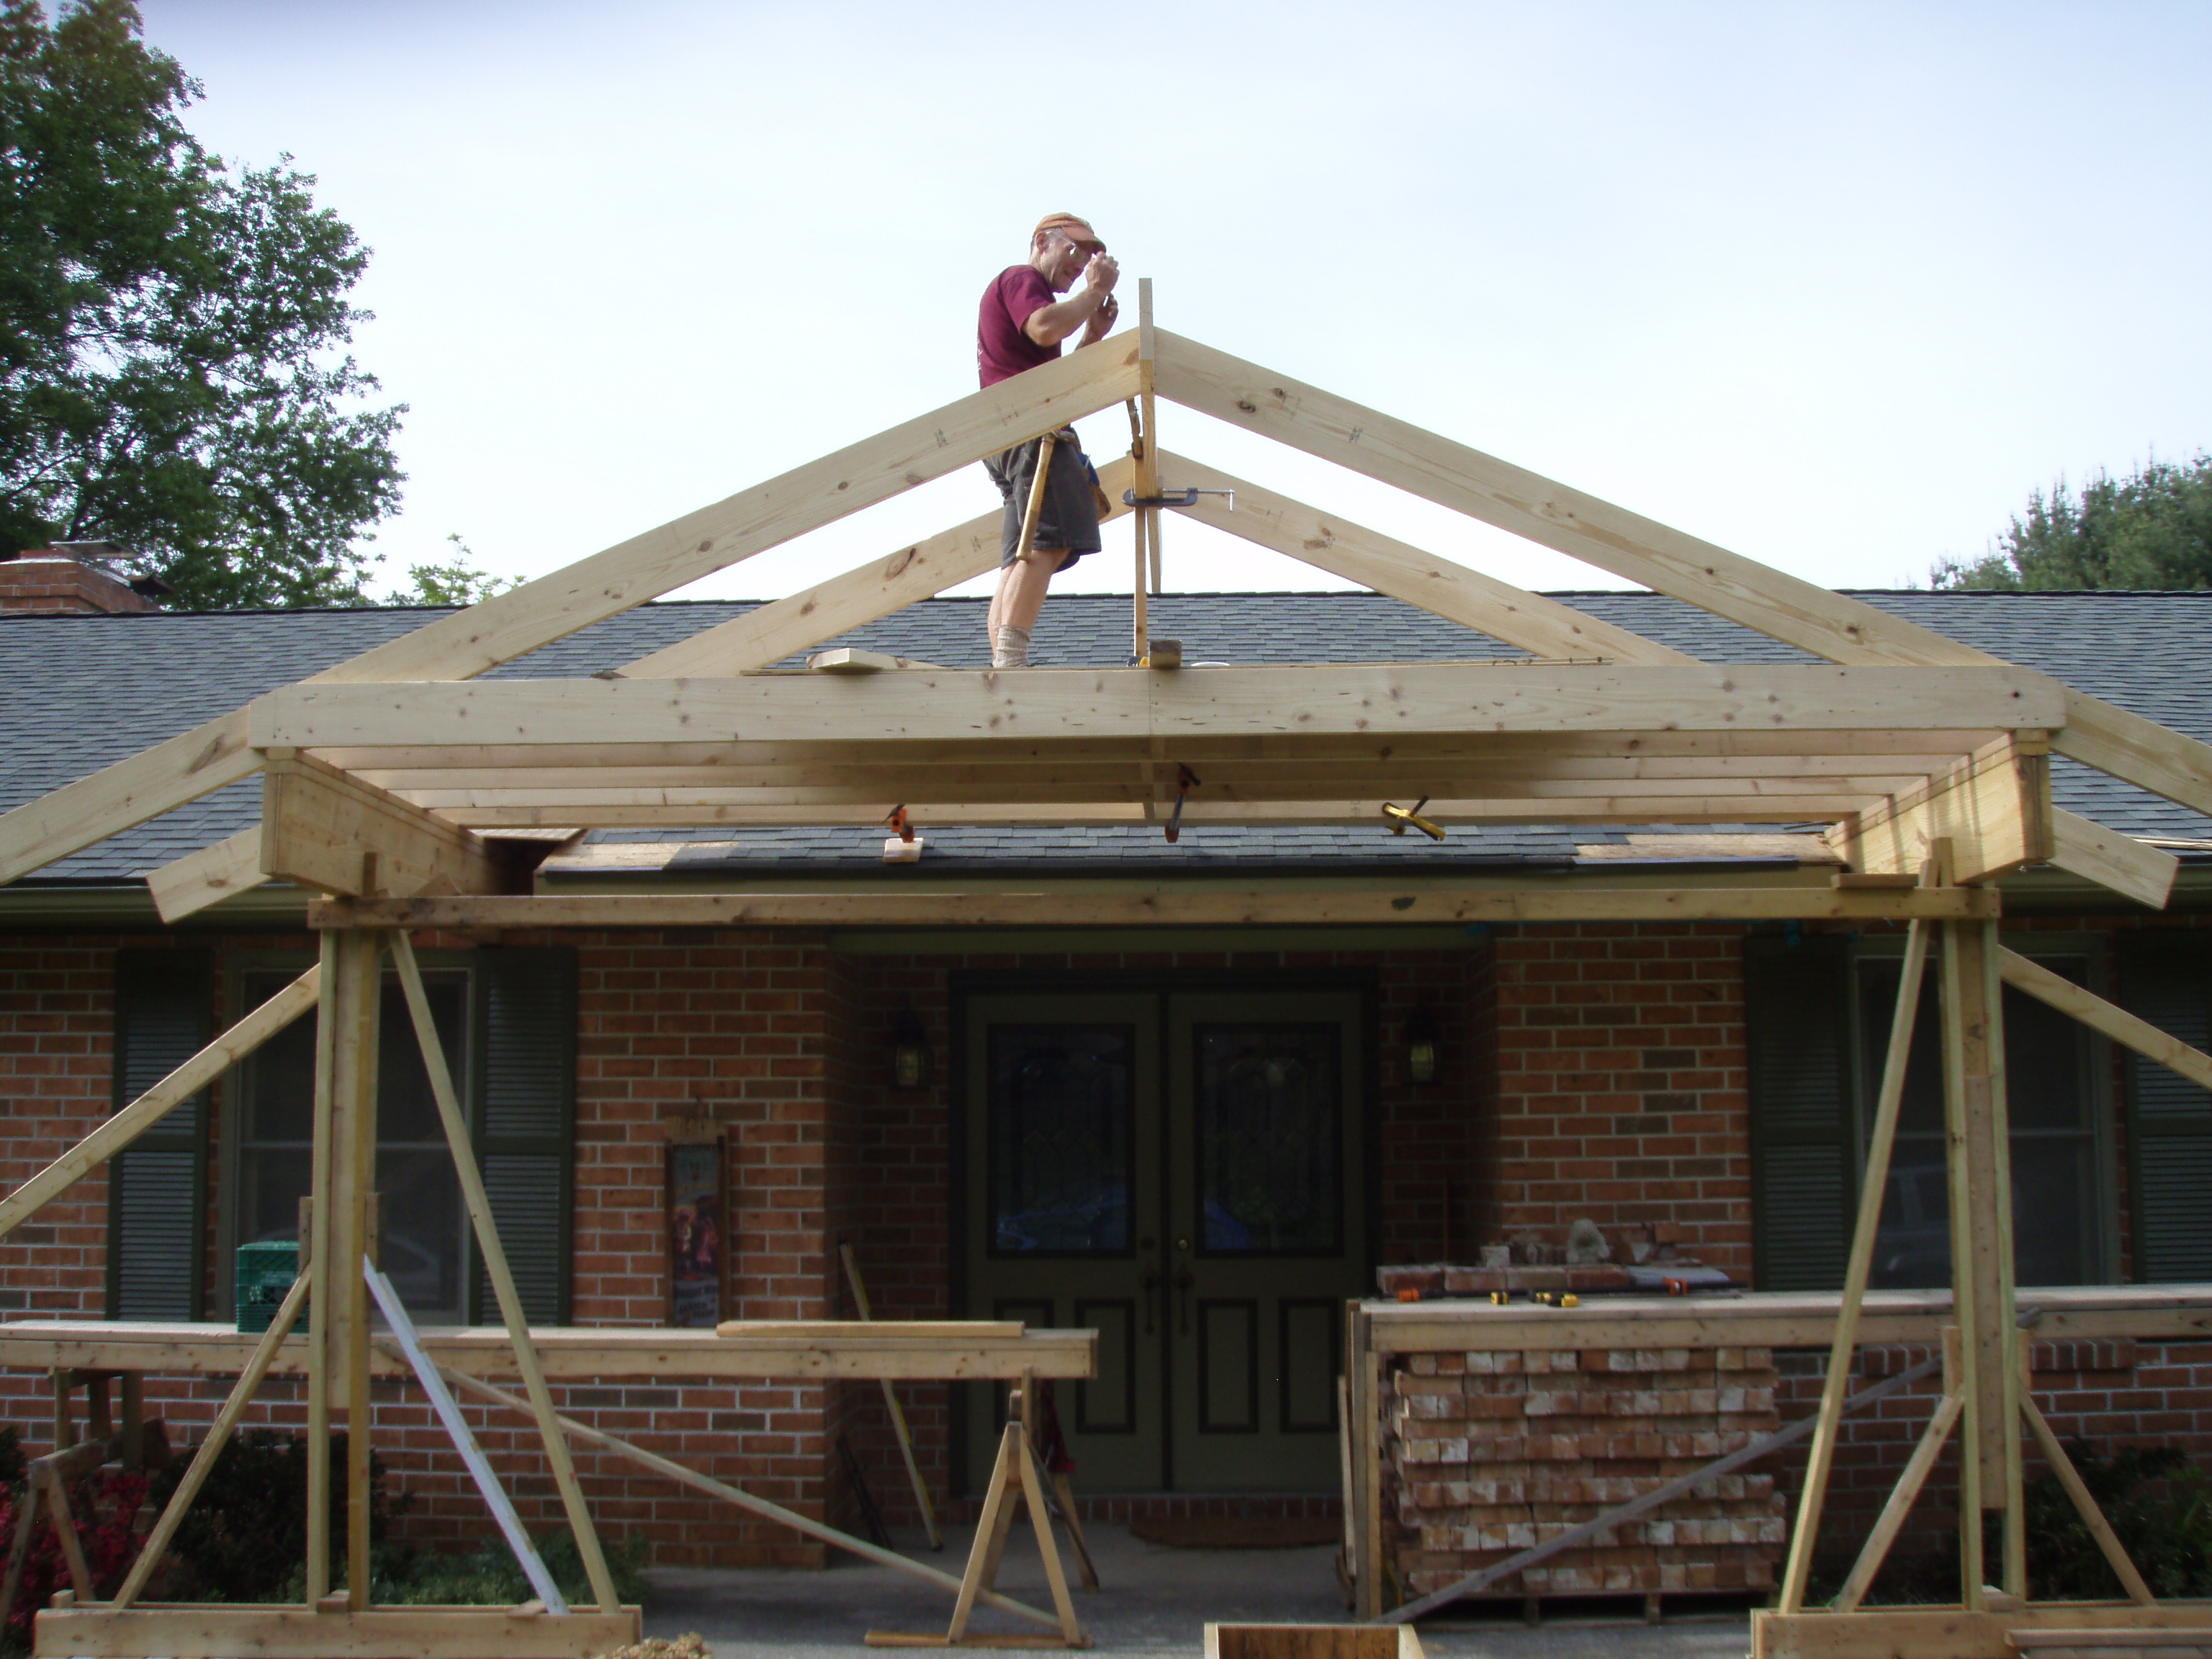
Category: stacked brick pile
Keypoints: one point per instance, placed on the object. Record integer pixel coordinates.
(1486, 1454)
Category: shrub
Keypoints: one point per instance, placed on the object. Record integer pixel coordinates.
(245, 1537)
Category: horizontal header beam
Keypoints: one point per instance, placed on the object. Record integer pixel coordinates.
(1382, 700)
(1165, 904)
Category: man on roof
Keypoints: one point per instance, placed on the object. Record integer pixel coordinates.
(1022, 323)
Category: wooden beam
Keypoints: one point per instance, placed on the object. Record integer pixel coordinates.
(1043, 704)
(1171, 904)
(849, 659)
(1783, 607)
(1451, 591)
(2083, 847)
(851, 600)
(72, 817)
(200, 1630)
(2116, 1023)
(513, 623)
(187, 885)
(1950, 1632)
(1994, 807)
(326, 830)
(141, 1114)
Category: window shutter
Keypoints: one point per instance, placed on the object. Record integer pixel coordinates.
(2168, 981)
(1797, 1018)
(525, 1122)
(157, 1186)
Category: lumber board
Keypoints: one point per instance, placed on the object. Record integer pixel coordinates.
(1042, 704)
(1436, 584)
(850, 659)
(513, 623)
(803, 620)
(903, 1330)
(185, 886)
(1783, 607)
(1165, 903)
(215, 1630)
(72, 817)
(1950, 1632)
(571, 1353)
(2084, 847)
(2115, 1022)
(324, 830)
(1994, 808)
(1777, 1318)
(118, 1132)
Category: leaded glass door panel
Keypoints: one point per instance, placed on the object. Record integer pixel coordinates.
(1063, 1158)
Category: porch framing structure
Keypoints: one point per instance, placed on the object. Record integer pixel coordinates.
(389, 780)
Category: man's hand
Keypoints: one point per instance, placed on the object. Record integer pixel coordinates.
(1101, 273)
(1102, 321)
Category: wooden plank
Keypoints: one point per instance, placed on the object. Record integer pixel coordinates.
(849, 659)
(1874, 1190)
(1995, 809)
(211, 1445)
(2115, 1022)
(1451, 591)
(1891, 1519)
(2084, 847)
(889, 1330)
(141, 1114)
(326, 830)
(317, 1245)
(571, 1352)
(478, 1203)
(213, 1631)
(1783, 607)
(2085, 1503)
(515, 622)
(187, 885)
(72, 817)
(851, 600)
(1042, 704)
(760, 1506)
(1166, 904)
(1951, 1632)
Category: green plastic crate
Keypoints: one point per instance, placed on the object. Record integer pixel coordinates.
(265, 1273)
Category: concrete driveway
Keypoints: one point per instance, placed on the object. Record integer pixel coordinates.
(1153, 1600)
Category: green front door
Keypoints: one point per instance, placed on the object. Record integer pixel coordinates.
(1185, 1172)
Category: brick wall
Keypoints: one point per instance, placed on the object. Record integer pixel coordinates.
(62, 584)
(1620, 1084)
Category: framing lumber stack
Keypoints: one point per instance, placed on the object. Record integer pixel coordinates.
(385, 777)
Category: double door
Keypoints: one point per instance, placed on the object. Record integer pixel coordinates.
(1184, 1171)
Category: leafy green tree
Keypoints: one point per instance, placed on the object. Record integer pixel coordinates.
(172, 374)
(457, 581)
(2150, 529)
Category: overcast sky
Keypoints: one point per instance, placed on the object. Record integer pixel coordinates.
(1834, 285)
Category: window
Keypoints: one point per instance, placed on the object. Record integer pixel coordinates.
(2166, 979)
(1819, 1011)
(507, 1019)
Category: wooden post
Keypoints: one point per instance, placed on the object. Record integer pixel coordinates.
(315, 1248)
(1981, 1248)
(1148, 463)
(502, 1281)
(352, 999)
(1139, 625)
(1855, 1275)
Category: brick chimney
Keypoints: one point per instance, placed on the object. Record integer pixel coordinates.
(75, 577)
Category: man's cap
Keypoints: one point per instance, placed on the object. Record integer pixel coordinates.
(1077, 231)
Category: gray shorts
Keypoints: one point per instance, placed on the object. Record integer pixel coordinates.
(1069, 516)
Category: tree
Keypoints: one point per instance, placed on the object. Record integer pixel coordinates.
(2150, 529)
(457, 581)
(172, 368)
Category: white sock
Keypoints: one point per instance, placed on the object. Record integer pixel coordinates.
(1012, 650)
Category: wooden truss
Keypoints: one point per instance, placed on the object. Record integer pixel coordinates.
(389, 779)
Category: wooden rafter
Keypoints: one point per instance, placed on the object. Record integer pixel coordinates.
(511, 624)
(1436, 584)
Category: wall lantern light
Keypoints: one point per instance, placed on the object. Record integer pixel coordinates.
(909, 1052)
(1421, 1046)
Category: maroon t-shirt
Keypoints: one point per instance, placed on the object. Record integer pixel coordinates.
(1002, 350)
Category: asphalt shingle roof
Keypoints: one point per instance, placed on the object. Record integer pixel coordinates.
(77, 693)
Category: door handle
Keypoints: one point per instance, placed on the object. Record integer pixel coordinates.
(1183, 1281)
(1150, 1280)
